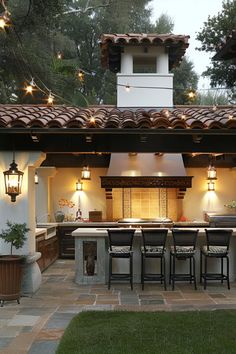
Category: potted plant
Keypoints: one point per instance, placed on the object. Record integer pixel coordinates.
(11, 266)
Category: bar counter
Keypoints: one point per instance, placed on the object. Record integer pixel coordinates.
(99, 238)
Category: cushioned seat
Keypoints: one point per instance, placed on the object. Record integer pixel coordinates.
(217, 246)
(120, 242)
(154, 241)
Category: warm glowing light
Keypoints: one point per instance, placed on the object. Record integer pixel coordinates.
(3, 23)
(183, 116)
(13, 181)
(86, 173)
(29, 89)
(79, 186)
(59, 55)
(127, 88)
(50, 99)
(81, 75)
(214, 108)
(211, 172)
(230, 116)
(36, 178)
(191, 94)
(92, 120)
(211, 185)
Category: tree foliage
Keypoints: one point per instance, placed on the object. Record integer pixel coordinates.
(214, 30)
(42, 29)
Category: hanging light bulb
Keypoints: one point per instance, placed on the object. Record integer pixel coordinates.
(50, 99)
(59, 55)
(4, 20)
(86, 173)
(30, 87)
(127, 88)
(191, 94)
(81, 75)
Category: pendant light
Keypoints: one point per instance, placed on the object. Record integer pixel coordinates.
(86, 173)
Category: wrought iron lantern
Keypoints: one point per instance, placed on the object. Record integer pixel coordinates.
(211, 172)
(86, 173)
(13, 181)
(36, 178)
(79, 186)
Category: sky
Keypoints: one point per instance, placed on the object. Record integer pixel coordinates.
(188, 17)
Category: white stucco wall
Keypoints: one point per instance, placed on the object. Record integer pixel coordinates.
(197, 199)
(92, 197)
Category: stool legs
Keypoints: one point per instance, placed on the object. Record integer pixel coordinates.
(214, 276)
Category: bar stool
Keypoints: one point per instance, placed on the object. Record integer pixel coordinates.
(120, 243)
(154, 242)
(217, 247)
(183, 249)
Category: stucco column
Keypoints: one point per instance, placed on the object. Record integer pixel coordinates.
(126, 63)
(22, 211)
(162, 62)
(43, 193)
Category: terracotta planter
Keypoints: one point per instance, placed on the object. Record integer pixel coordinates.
(11, 272)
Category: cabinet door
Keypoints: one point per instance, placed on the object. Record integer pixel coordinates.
(67, 242)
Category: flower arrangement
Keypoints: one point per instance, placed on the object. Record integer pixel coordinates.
(231, 204)
(65, 204)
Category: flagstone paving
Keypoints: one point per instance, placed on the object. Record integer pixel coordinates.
(36, 325)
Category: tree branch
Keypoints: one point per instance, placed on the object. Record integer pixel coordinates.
(87, 8)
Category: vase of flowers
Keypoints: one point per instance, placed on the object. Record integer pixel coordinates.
(66, 212)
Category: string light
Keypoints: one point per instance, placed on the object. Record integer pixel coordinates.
(50, 99)
(81, 75)
(30, 87)
(59, 55)
(127, 88)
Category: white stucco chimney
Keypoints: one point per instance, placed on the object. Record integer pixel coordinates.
(145, 72)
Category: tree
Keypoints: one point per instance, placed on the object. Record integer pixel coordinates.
(214, 30)
(185, 81)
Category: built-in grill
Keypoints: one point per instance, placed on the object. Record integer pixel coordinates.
(221, 220)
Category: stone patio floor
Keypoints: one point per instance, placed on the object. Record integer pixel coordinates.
(36, 325)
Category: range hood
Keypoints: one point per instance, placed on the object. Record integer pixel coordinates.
(146, 170)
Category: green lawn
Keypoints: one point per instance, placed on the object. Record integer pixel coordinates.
(151, 332)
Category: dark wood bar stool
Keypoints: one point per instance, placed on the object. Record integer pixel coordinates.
(217, 247)
(154, 247)
(120, 246)
(183, 249)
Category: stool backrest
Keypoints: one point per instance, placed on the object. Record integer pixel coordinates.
(218, 237)
(185, 237)
(154, 237)
(120, 237)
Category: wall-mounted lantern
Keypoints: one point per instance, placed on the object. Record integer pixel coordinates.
(79, 186)
(13, 180)
(36, 178)
(211, 185)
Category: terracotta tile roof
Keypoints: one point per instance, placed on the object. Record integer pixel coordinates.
(104, 117)
(227, 48)
(111, 45)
